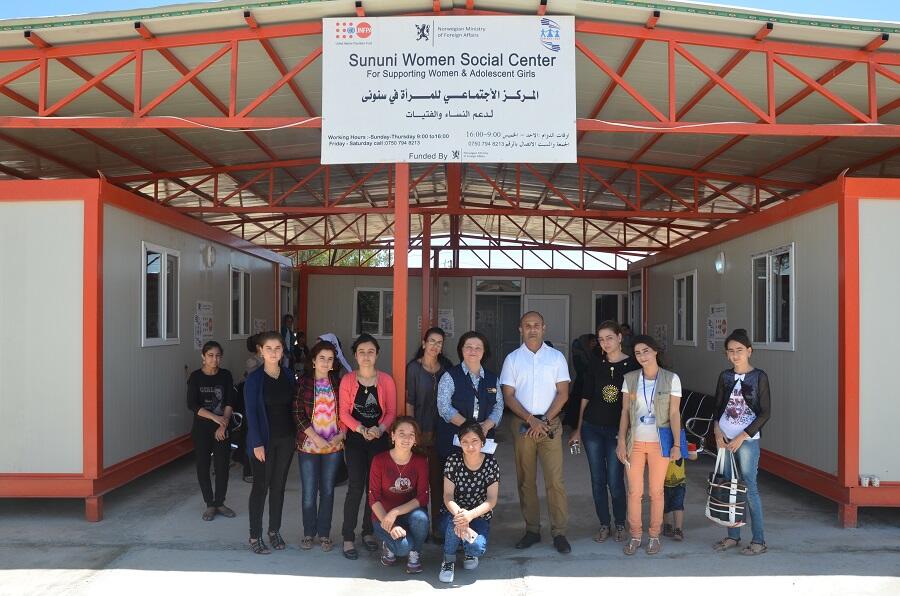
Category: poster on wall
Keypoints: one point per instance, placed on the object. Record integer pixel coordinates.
(446, 321)
(716, 327)
(448, 89)
(260, 325)
(661, 335)
(203, 323)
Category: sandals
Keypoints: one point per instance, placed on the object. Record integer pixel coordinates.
(225, 511)
(306, 543)
(350, 553)
(259, 547)
(370, 543)
(277, 541)
(209, 514)
(725, 544)
(631, 546)
(602, 534)
(653, 546)
(326, 544)
(620, 533)
(754, 548)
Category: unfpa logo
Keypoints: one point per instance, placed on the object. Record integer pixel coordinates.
(350, 30)
(550, 34)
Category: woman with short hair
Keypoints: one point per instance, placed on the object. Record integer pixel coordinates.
(368, 406)
(468, 392)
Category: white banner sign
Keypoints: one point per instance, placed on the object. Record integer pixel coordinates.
(448, 89)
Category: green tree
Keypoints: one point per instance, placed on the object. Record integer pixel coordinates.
(366, 257)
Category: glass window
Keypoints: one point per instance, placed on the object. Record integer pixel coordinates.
(498, 286)
(685, 307)
(374, 312)
(773, 298)
(240, 303)
(159, 295)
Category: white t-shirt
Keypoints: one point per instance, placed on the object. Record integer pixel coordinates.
(534, 376)
(737, 415)
(646, 397)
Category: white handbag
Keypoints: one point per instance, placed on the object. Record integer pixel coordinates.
(726, 502)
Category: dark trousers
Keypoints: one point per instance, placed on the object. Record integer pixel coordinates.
(358, 453)
(318, 471)
(207, 449)
(270, 477)
(607, 472)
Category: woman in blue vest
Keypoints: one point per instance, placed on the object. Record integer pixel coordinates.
(467, 392)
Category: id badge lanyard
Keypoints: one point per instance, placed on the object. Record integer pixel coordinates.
(650, 418)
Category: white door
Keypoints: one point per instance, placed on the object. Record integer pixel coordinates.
(555, 310)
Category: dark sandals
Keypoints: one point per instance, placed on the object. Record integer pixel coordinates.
(350, 553)
(370, 543)
(209, 514)
(259, 547)
(276, 540)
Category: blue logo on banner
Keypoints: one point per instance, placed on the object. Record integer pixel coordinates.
(550, 34)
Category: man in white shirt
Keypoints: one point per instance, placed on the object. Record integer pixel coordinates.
(535, 383)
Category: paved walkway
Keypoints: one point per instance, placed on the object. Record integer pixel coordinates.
(152, 541)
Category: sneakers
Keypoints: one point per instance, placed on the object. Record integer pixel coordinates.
(388, 558)
(470, 563)
(446, 574)
(412, 563)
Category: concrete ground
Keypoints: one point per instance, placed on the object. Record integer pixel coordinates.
(152, 541)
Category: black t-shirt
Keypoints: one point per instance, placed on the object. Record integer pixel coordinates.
(603, 390)
(278, 395)
(470, 486)
(211, 392)
(366, 408)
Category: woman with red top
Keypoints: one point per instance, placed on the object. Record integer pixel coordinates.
(367, 406)
(320, 442)
(398, 496)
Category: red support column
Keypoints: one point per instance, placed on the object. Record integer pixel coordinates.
(401, 282)
(436, 287)
(426, 274)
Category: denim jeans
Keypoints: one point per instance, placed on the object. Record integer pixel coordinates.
(416, 525)
(747, 458)
(452, 541)
(606, 471)
(317, 476)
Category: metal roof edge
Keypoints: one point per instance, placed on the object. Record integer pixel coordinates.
(759, 16)
(687, 8)
(139, 14)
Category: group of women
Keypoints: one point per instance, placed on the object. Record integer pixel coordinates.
(435, 454)
(625, 403)
(401, 463)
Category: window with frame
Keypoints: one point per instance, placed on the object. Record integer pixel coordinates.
(240, 303)
(685, 299)
(772, 316)
(373, 312)
(159, 295)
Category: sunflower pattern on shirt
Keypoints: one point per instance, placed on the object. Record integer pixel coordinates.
(324, 418)
(470, 486)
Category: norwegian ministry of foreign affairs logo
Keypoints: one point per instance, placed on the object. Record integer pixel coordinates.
(422, 32)
(550, 34)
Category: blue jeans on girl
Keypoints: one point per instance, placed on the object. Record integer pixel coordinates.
(416, 525)
(747, 459)
(452, 541)
(607, 472)
(317, 475)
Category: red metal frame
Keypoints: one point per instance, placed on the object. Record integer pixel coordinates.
(843, 487)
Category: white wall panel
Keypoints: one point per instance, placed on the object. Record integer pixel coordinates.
(144, 388)
(803, 426)
(41, 316)
(879, 287)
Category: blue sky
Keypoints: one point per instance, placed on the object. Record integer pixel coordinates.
(885, 10)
